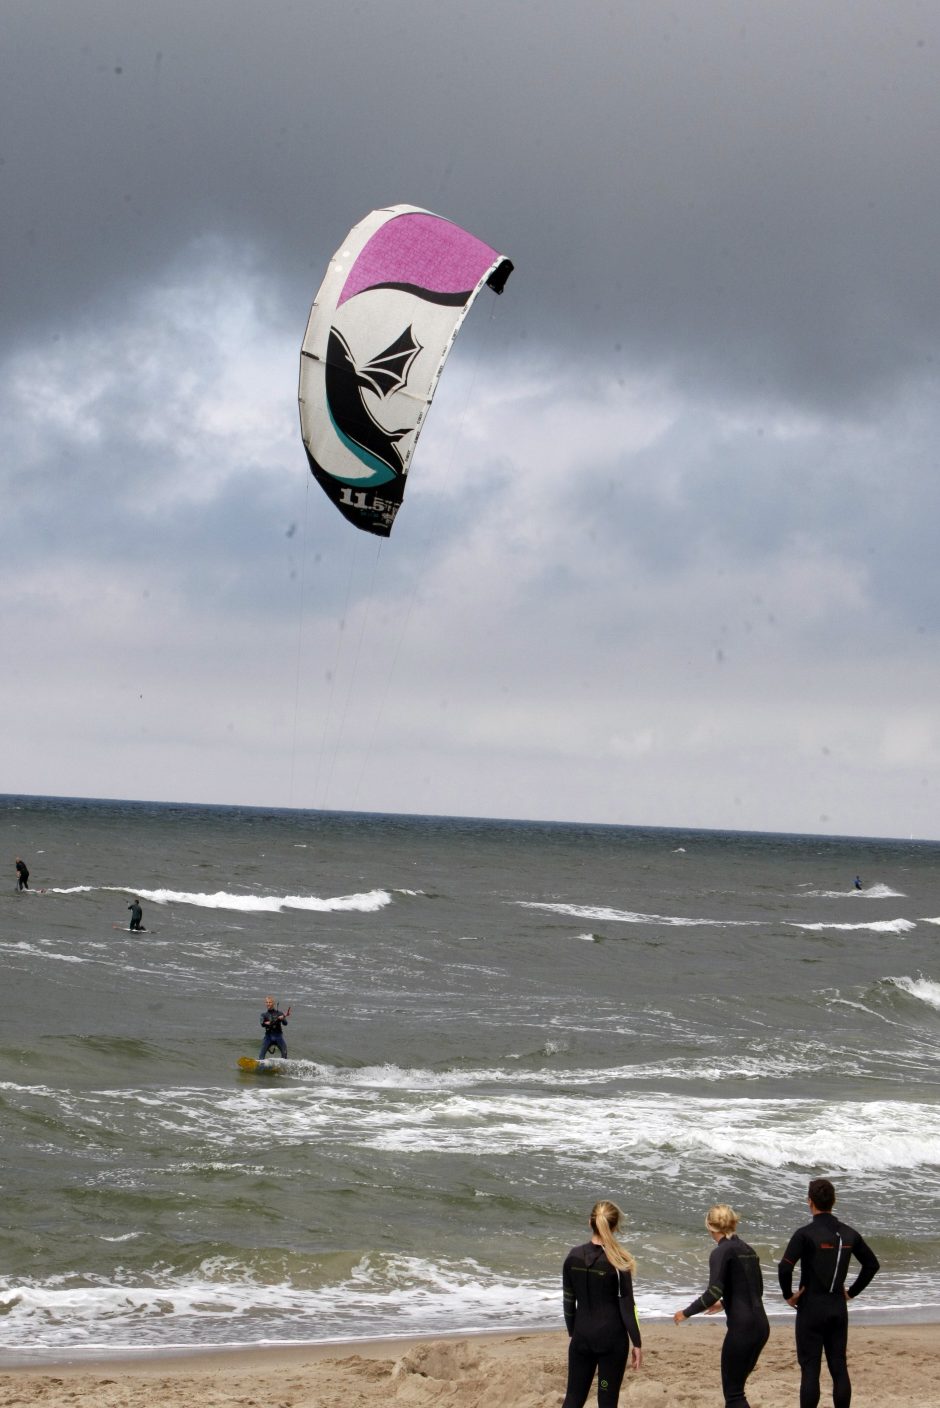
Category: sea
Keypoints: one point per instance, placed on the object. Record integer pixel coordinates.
(493, 1024)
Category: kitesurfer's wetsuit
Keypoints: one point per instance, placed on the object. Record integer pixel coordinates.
(22, 875)
(734, 1278)
(601, 1317)
(824, 1248)
(273, 1019)
(137, 915)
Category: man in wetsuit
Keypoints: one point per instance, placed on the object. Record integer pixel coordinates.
(137, 915)
(22, 875)
(824, 1248)
(273, 1020)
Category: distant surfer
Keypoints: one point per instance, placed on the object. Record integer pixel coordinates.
(137, 915)
(858, 882)
(273, 1020)
(22, 875)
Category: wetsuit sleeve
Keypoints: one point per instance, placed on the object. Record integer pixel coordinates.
(568, 1297)
(787, 1262)
(628, 1311)
(869, 1263)
(716, 1284)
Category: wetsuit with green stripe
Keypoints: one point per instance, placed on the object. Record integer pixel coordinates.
(824, 1248)
(734, 1278)
(601, 1317)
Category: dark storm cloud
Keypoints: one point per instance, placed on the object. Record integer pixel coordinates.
(669, 531)
(743, 194)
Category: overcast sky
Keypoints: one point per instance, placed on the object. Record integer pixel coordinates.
(668, 551)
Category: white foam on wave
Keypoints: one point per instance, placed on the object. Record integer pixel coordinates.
(367, 903)
(382, 1296)
(41, 951)
(661, 1130)
(868, 892)
(627, 916)
(877, 926)
(924, 989)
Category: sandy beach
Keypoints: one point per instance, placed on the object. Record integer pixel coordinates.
(893, 1366)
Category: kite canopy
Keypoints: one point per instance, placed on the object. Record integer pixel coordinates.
(378, 335)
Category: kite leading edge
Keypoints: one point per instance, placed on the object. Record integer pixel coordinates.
(381, 326)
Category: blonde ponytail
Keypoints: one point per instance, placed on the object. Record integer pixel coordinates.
(605, 1218)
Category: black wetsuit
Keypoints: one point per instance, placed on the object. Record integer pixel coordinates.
(734, 1278)
(137, 915)
(601, 1317)
(22, 876)
(273, 1019)
(824, 1248)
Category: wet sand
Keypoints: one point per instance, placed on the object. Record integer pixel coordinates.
(892, 1366)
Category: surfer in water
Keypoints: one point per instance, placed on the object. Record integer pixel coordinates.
(858, 882)
(22, 875)
(273, 1020)
(137, 915)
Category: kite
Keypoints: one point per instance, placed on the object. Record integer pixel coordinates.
(381, 326)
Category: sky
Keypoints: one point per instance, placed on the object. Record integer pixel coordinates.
(667, 554)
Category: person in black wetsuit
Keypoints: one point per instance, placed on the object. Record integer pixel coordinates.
(137, 915)
(600, 1312)
(273, 1020)
(824, 1248)
(734, 1283)
(22, 875)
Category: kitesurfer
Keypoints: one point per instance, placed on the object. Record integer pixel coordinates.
(735, 1285)
(600, 1312)
(858, 882)
(273, 1019)
(824, 1248)
(22, 875)
(137, 915)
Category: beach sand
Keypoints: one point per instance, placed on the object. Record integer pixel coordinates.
(892, 1366)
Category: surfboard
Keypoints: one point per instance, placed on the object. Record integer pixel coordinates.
(125, 929)
(267, 1066)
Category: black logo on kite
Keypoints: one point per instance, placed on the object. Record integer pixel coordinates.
(388, 371)
(383, 374)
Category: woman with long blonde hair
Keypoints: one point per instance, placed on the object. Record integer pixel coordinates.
(735, 1284)
(600, 1312)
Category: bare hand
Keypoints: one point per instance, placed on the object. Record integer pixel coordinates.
(636, 1357)
(679, 1316)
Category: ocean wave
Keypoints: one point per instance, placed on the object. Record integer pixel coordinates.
(877, 926)
(924, 989)
(627, 916)
(367, 903)
(868, 892)
(383, 1296)
(661, 1131)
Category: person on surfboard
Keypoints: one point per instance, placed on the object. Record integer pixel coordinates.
(137, 915)
(22, 875)
(273, 1020)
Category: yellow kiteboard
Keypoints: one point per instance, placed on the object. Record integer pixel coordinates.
(265, 1067)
